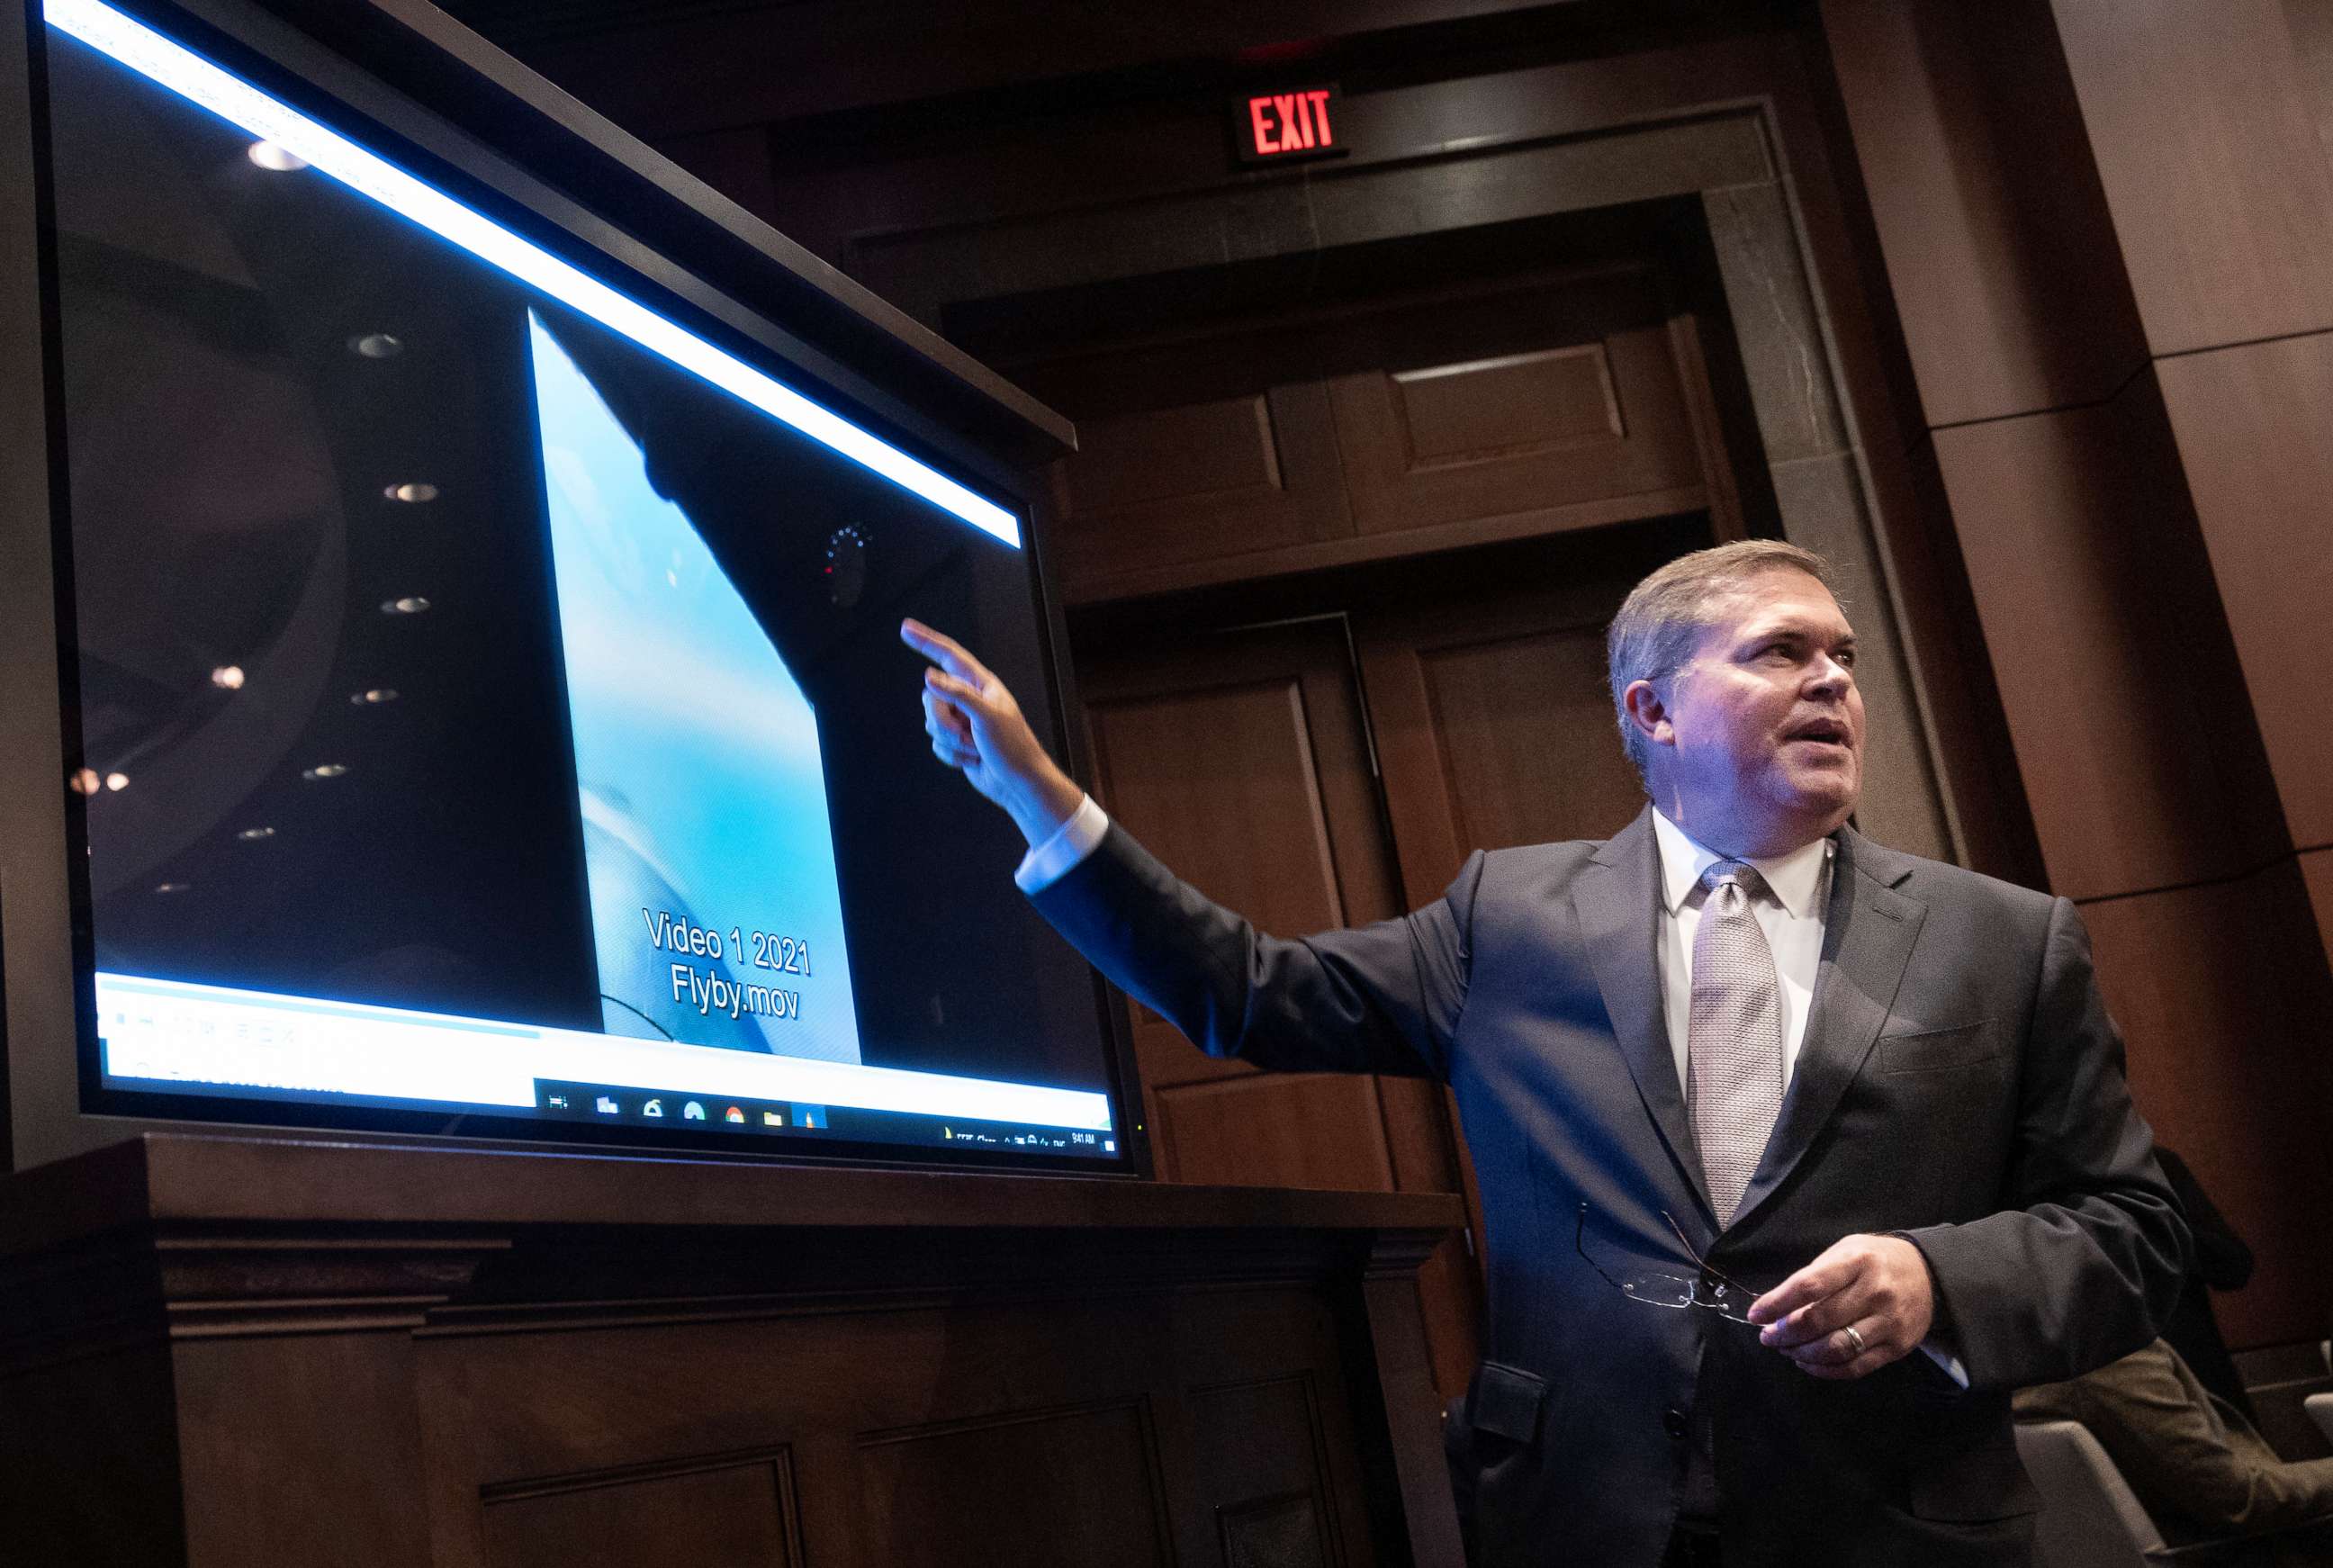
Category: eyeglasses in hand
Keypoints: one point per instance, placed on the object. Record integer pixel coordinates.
(1707, 1288)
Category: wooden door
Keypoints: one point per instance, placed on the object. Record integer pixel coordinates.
(1242, 759)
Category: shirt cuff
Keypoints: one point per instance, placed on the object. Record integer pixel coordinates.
(1072, 842)
(1950, 1362)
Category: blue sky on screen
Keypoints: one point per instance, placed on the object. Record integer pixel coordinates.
(697, 754)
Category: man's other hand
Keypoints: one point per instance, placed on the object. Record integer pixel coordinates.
(977, 728)
(1877, 1285)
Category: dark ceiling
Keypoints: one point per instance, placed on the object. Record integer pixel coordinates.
(664, 68)
(518, 24)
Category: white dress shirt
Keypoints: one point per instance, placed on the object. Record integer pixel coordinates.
(1792, 919)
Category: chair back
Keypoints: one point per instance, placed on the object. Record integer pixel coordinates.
(2089, 1516)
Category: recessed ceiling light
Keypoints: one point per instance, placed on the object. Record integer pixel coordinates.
(227, 677)
(281, 160)
(324, 770)
(373, 697)
(116, 781)
(84, 781)
(415, 492)
(412, 604)
(253, 835)
(377, 346)
(171, 887)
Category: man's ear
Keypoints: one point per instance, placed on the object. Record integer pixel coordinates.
(1648, 713)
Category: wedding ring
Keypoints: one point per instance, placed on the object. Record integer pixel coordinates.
(1854, 1337)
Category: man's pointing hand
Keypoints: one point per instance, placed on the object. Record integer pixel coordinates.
(978, 729)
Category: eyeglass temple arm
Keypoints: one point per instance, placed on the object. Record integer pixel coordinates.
(1719, 1274)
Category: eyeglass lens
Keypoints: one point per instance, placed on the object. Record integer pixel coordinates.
(1670, 1290)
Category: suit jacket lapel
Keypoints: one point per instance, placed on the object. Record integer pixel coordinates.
(1868, 933)
(1618, 901)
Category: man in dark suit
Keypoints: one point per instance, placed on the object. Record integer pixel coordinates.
(1735, 1052)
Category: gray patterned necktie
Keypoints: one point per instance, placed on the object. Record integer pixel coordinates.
(1733, 1044)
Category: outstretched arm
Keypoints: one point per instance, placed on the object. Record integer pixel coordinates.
(1380, 999)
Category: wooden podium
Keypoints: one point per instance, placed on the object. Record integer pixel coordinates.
(224, 1351)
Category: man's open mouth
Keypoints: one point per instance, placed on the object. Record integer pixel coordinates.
(1829, 731)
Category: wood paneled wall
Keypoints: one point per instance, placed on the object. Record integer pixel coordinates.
(2107, 226)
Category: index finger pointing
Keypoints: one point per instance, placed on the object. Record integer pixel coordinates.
(943, 651)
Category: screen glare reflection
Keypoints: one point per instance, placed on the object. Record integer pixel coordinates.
(291, 135)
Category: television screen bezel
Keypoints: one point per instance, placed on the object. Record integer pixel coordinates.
(455, 111)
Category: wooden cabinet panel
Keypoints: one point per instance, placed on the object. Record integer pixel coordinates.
(2201, 119)
(2255, 427)
(1270, 1513)
(2113, 658)
(737, 1513)
(1272, 1420)
(1080, 1485)
(386, 1356)
(339, 1503)
(1407, 423)
(1067, 1427)
(1488, 409)
(1306, 1131)
(1273, 1532)
(1527, 401)
(1224, 448)
(89, 1468)
(1225, 476)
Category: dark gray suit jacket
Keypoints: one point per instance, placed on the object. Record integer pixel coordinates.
(1959, 1083)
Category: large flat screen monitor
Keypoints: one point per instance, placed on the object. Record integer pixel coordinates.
(484, 702)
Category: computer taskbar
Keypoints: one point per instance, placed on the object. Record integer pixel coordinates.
(696, 1111)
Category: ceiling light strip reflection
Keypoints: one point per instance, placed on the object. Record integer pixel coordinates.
(198, 81)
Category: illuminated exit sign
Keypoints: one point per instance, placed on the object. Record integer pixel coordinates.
(1284, 126)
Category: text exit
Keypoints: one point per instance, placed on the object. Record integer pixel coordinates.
(1278, 127)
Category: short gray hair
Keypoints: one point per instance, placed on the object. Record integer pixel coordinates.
(1663, 616)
